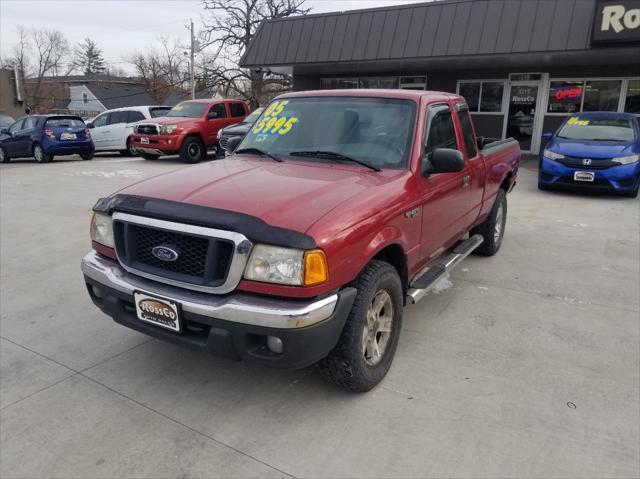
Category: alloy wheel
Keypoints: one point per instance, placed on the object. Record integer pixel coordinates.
(376, 334)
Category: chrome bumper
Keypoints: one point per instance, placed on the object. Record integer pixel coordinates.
(239, 307)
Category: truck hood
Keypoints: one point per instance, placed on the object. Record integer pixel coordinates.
(592, 149)
(171, 120)
(291, 194)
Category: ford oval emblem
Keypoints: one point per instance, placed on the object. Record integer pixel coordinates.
(165, 253)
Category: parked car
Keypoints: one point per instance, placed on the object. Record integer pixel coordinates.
(239, 129)
(303, 247)
(188, 129)
(6, 121)
(597, 151)
(45, 136)
(112, 130)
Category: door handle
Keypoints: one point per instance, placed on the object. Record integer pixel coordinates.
(465, 180)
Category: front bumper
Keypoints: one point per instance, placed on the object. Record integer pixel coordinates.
(158, 144)
(616, 179)
(233, 325)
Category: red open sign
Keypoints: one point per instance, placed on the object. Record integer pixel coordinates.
(570, 93)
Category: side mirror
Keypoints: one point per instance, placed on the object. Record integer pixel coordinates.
(233, 143)
(90, 125)
(445, 160)
(547, 136)
(212, 115)
(480, 142)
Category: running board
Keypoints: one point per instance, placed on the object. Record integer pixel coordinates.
(432, 274)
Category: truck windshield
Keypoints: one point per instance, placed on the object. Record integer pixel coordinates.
(374, 131)
(587, 128)
(188, 109)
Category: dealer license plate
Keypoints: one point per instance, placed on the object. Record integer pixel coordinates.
(158, 311)
(68, 136)
(583, 176)
(144, 140)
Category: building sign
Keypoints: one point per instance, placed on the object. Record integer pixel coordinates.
(567, 93)
(616, 21)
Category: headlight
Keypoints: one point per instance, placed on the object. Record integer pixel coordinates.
(294, 267)
(219, 133)
(167, 129)
(102, 229)
(551, 155)
(625, 160)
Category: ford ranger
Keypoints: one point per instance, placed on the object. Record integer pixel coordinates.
(304, 245)
(188, 129)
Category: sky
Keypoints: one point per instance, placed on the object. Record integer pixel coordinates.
(120, 27)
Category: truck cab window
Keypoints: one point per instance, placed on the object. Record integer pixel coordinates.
(237, 110)
(441, 132)
(220, 110)
(467, 132)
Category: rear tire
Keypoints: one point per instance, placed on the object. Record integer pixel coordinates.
(634, 193)
(356, 363)
(130, 151)
(4, 158)
(193, 150)
(542, 186)
(86, 156)
(492, 230)
(149, 156)
(40, 155)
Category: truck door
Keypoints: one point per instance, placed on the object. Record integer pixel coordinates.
(475, 171)
(217, 118)
(444, 195)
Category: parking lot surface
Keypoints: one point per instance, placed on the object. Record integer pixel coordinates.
(525, 364)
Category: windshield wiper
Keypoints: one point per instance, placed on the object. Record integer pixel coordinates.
(331, 155)
(258, 151)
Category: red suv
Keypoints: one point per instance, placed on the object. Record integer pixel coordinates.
(188, 129)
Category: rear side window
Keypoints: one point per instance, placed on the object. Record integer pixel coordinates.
(158, 112)
(237, 110)
(220, 110)
(68, 122)
(441, 132)
(467, 132)
(134, 116)
(119, 117)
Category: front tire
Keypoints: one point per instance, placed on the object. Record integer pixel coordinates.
(4, 158)
(86, 156)
(369, 339)
(192, 150)
(40, 155)
(492, 230)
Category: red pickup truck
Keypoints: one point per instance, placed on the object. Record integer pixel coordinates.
(305, 244)
(188, 129)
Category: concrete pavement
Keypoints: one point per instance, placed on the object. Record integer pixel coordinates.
(526, 364)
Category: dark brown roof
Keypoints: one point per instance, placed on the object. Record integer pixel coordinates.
(427, 30)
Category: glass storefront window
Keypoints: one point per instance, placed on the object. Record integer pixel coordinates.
(338, 83)
(632, 102)
(379, 82)
(602, 95)
(470, 91)
(565, 96)
(482, 96)
(491, 100)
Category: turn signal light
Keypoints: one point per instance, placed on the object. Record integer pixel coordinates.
(315, 268)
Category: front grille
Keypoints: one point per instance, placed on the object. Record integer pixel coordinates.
(145, 129)
(224, 139)
(201, 260)
(596, 163)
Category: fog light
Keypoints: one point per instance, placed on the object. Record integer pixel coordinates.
(274, 344)
(96, 292)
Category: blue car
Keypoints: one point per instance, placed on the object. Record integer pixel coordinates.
(597, 151)
(44, 136)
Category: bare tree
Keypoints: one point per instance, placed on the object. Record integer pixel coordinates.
(20, 52)
(50, 50)
(229, 27)
(88, 58)
(161, 70)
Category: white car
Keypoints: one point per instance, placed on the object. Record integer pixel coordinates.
(112, 129)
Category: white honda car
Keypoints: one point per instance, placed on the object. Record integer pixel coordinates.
(111, 130)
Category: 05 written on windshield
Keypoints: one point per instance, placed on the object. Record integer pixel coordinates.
(275, 121)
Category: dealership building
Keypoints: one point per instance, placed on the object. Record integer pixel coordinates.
(522, 65)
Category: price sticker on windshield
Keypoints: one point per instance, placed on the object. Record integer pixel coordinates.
(275, 121)
(574, 120)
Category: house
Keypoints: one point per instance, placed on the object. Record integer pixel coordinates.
(181, 95)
